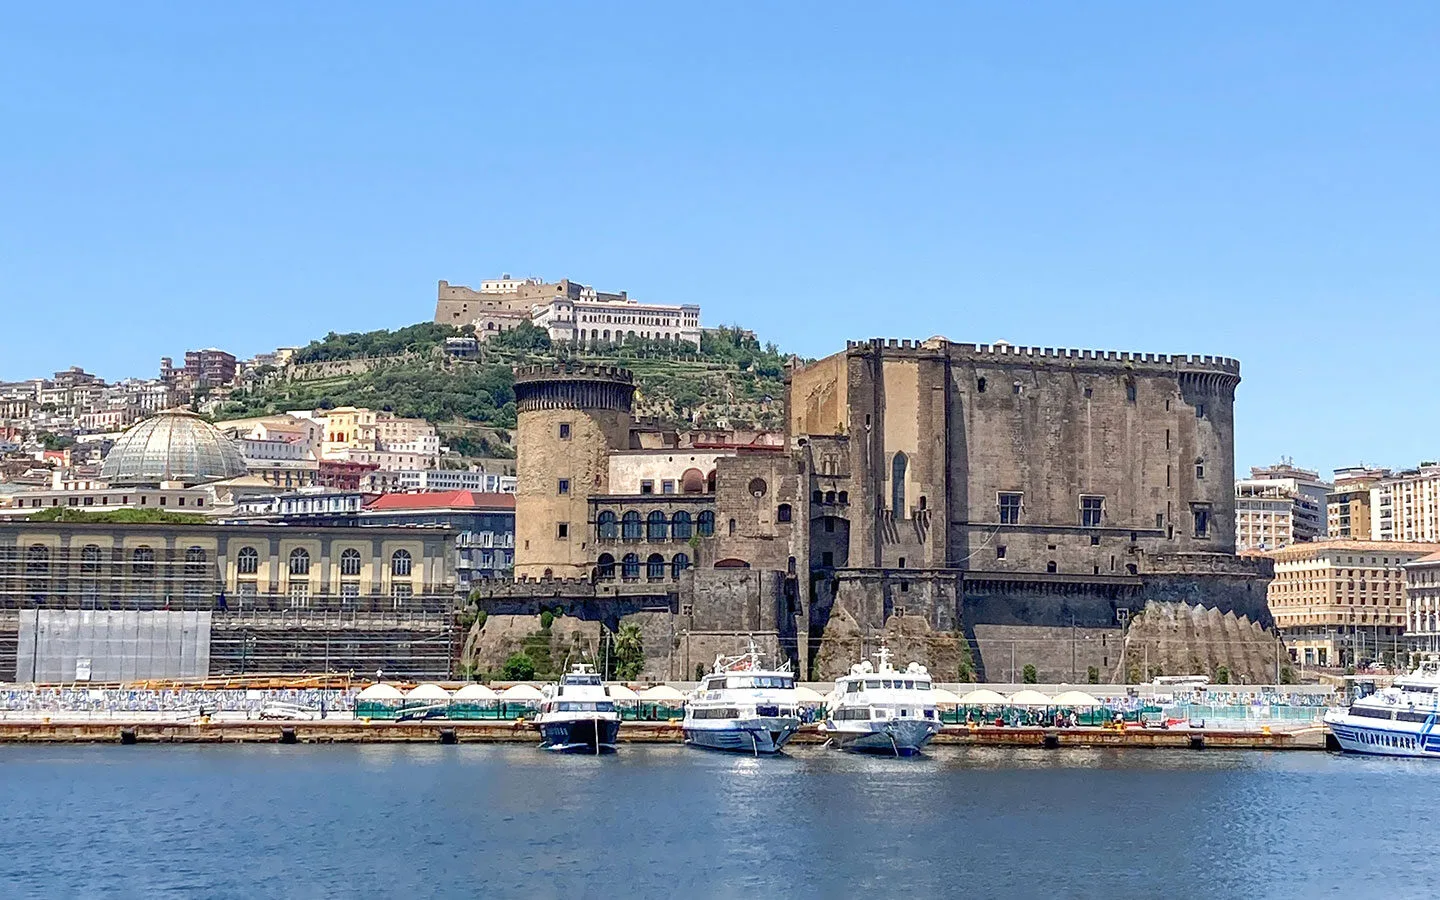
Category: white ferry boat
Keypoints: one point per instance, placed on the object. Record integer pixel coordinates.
(578, 715)
(1401, 720)
(882, 710)
(743, 706)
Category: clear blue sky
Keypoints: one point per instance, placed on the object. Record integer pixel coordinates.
(1252, 180)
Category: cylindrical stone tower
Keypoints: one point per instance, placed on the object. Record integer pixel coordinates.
(570, 417)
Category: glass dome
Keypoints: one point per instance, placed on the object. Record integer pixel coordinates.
(175, 445)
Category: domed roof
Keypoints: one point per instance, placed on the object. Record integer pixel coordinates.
(175, 445)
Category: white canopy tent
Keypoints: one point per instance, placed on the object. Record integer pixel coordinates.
(1075, 698)
(661, 693)
(521, 693)
(943, 697)
(1028, 698)
(805, 695)
(621, 693)
(983, 697)
(380, 693)
(428, 691)
(474, 693)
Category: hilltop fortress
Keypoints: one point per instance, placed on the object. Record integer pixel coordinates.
(982, 507)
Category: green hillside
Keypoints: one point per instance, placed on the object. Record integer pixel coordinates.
(731, 381)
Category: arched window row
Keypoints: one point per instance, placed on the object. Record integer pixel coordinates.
(654, 527)
(654, 567)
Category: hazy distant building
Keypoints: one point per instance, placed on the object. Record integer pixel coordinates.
(569, 311)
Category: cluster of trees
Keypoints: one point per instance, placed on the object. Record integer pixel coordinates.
(726, 376)
(116, 516)
(425, 389)
(622, 660)
(383, 342)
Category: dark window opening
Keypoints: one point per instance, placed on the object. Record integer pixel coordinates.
(980, 385)
(562, 530)
(564, 431)
(1051, 568)
(782, 512)
(1000, 551)
(1094, 540)
(1010, 509)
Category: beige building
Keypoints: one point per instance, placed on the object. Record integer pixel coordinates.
(1339, 602)
(1278, 506)
(1347, 507)
(1405, 506)
(569, 311)
(1422, 604)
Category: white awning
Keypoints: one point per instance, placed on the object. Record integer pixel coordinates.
(428, 691)
(622, 693)
(1028, 698)
(380, 691)
(983, 697)
(661, 693)
(520, 693)
(943, 697)
(805, 695)
(1075, 698)
(474, 692)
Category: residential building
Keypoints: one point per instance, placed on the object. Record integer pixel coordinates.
(1405, 506)
(1347, 507)
(484, 526)
(1277, 506)
(1422, 604)
(1338, 602)
(208, 368)
(456, 480)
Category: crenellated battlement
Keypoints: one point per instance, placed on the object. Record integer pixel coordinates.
(573, 372)
(573, 386)
(1011, 353)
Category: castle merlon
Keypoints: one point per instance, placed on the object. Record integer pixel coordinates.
(1026, 354)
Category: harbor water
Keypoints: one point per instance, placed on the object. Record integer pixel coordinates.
(661, 821)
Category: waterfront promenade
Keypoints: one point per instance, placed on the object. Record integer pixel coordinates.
(348, 730)
(1128, 716)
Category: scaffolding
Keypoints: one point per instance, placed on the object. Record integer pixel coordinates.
(82, 606)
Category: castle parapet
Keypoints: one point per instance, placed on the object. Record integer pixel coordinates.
(574, 386)
(999, 354)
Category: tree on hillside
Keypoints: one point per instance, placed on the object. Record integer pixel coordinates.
(525, 336)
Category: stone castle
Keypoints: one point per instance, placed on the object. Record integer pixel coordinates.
(983, 508)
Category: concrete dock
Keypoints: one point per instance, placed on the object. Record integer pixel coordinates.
(347, 731)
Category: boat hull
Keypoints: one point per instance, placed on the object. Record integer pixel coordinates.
(593, 735)
(756, 736)
(892, 737)
(1382, 737)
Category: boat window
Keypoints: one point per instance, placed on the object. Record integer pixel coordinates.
(872, 684)
(1409, 716)
(909, 685)
(852, 687)
(922, 685)
(1363, 713)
